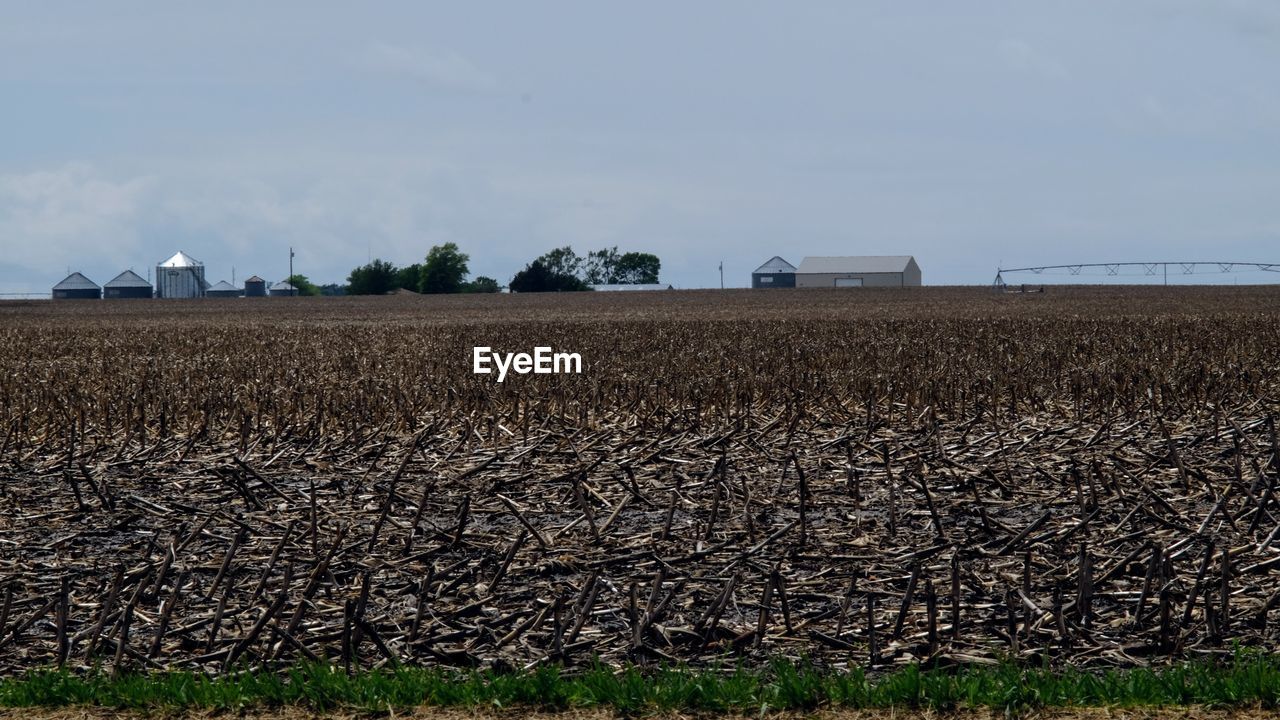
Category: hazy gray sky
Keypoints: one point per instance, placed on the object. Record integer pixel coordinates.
(967, 134)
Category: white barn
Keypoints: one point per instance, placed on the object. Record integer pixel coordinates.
(859, 271)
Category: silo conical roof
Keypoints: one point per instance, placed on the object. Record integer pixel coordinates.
(181, 259)
(128, 278)
(76, 281)
(224, 286)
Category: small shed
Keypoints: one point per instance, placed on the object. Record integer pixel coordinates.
(255, 287)
(125, 286)
(223, 289)
(283, 289)
(776, 273)
(859, 271)
(77, 287)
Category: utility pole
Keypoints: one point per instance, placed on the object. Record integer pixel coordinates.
(294, 291)
(721, 274)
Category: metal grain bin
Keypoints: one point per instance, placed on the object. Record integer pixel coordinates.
(255, 287)
(181, 276)
(223, 289)
(127, 285)
(77, 287)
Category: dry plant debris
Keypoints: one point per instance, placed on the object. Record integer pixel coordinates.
(869, 479)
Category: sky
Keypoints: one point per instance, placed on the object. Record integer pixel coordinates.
(971, 135)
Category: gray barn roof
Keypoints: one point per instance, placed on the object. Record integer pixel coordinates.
(76, 281)
(128, 278)
(181, 259)
(775, 265)
(855, 264)
(282, 285)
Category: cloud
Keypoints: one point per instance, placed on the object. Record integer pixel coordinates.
(1249, 18)
(1022, 57)
(69, 217)
(439, 68)
(1252, 20)
(245, 212)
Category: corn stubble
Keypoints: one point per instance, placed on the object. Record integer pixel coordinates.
(1086, 478)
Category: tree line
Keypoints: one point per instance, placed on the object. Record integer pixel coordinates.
(563, 269)
(444, 270)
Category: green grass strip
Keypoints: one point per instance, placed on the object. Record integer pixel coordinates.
(1248, 679)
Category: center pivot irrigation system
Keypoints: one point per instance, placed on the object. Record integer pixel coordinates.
(1140, 269)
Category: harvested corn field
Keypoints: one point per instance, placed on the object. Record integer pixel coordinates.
(1085, 477)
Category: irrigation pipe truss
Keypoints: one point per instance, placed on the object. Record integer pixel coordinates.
(1146, 268)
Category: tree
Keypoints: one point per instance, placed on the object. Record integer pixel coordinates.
(333, 289)
(377, 278)
(537, 277)
(637, 268)
(482, 284)
(302, 285)
(409, 277)
(562, 261)
(444, 270)
(563, 269)
(601, 266)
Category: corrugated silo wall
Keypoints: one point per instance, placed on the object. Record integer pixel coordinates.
(187, 282)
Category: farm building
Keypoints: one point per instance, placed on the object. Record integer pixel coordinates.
(859, 271)
(223, 289)
(126, 285)
(255, 287)
(181, 276)
(619, 287)
(777, 273)
(76, 287)
(283, 289)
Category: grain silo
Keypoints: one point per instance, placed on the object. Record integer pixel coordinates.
(76, 287)
(181, 276)
(126, 285)
(283, 289)
(255, 287)
(223, 289)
